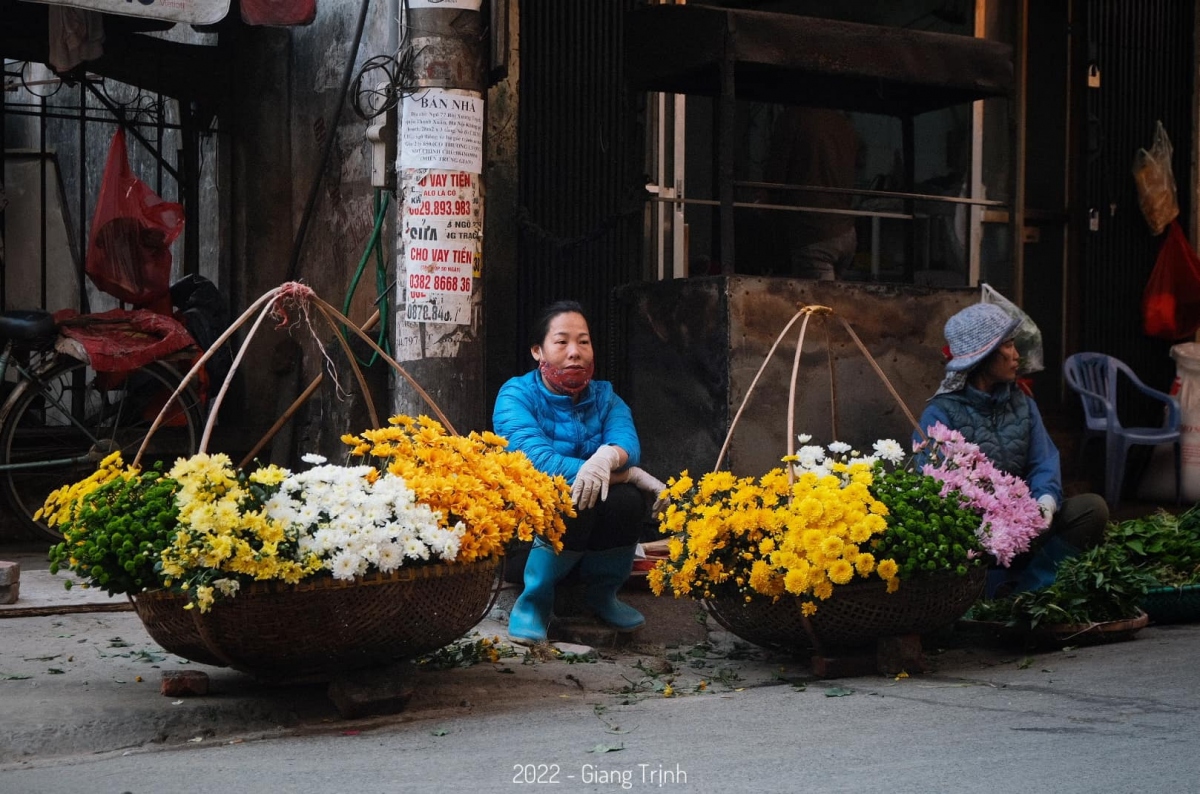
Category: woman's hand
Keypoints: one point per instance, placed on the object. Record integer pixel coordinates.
(645, 481)
(591, 483)
(1048, 507)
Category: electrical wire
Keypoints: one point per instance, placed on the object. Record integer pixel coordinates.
(396, 81)
(382, 288)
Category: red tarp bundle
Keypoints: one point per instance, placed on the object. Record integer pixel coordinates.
(122, 340)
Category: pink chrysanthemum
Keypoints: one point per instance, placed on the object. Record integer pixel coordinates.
(1010, 516)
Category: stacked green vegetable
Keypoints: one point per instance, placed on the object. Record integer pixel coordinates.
(1168, 546)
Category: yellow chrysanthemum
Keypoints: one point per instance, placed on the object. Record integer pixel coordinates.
(840, 571)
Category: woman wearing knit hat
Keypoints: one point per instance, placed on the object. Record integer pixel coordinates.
(980, 399)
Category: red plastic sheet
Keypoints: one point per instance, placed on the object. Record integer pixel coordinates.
(1171, 301)
(129, 253)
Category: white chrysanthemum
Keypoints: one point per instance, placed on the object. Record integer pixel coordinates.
(354, 525)
(889, 450)
(809, 458)
(313, 458)
(839, 447)
(804, 438)
(369, 551)
(344, 565)
(391, 557)
(414, 549)
(227, 587)
(307, 514)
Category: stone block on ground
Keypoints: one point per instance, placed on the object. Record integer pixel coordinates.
(895, 655)
(372, 692)
(591, 632)
(10, 582)
(184, 683)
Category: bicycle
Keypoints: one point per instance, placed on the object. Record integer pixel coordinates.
(62, 417)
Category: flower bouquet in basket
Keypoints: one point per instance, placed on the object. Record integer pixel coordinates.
(808, 550)
(204, 528)
(1010, 518)
(287, 574)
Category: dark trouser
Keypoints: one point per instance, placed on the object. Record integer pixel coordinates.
(1082, 520)
(615, 522)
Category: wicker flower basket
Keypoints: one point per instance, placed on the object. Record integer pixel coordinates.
(320, 626)
(855, 615)
(314, 629)
(1173, 604)
(1090, 633)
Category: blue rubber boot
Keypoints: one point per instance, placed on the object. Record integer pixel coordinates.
(530, 616)
(603, 573)
(1043, 568)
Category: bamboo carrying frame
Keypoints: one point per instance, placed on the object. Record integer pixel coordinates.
(317, 627)
(858, 612)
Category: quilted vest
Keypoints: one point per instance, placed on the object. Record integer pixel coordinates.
(999, 424)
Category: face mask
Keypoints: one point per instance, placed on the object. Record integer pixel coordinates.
(567, 381)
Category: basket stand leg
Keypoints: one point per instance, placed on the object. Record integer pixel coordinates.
(372, 692)
(903, 654)
(852, 664)
(888, 656)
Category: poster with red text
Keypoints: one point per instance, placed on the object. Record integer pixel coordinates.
(442, 228)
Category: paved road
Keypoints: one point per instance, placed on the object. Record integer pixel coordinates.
(1117, 718)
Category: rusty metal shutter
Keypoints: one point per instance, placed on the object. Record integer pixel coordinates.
(1145, 54)
(581, 153)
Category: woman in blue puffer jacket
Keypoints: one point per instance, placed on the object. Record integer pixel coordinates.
(572, 425)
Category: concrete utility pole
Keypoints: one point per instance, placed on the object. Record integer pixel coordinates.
(438, 337)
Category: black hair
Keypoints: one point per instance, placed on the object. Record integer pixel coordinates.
(541, 326)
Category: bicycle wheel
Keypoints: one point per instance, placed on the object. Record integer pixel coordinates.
(60, 423)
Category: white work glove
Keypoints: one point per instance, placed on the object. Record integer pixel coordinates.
(645, 481)
(1047, 504)
(591, 483)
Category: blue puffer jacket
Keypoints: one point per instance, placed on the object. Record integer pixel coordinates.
(1007, 427)
(557, 434)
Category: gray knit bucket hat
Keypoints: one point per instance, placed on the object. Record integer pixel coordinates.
(975, 332)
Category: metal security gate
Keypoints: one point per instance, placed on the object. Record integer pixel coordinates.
(54, 138)
(1143, 54)
(581, 193)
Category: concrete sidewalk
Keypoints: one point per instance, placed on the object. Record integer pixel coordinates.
(78, 682)
(43, 593)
